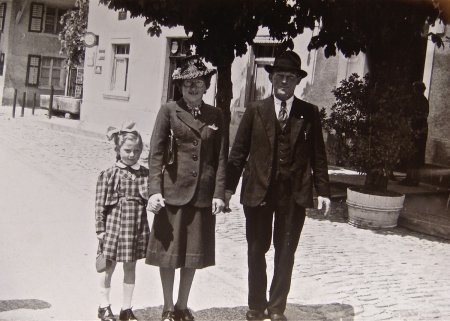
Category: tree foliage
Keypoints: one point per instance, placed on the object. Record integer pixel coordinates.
(71, 37)
(352, 26)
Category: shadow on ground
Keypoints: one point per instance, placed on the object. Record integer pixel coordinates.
(32, 304)
(294, 312)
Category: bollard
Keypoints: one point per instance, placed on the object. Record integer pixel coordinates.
(14, 103)
(34, 104)
(24, 100)
(50, 104)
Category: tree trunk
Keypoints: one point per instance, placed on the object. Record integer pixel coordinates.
(224, 92)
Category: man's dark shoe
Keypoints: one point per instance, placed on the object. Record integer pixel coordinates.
(127, 315)
(277, 317)
(255, 315)
(183, 315)
(105, 314)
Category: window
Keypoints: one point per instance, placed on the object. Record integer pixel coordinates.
(33, 65)
(52, 72)
(36, 17)
(2, 15)
(179, 48)
(45, 19)
(260, 86)
(45, 72)
(52, 20)
(119, 76)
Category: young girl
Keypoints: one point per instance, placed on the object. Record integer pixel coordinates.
(121, 219)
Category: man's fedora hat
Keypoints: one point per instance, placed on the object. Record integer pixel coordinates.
(192, 67)
(287, 61)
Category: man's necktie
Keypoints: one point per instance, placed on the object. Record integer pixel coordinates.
(283, 116)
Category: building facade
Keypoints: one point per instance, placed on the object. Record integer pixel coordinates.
(30, 58)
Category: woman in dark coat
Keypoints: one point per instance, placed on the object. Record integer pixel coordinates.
(186, 184)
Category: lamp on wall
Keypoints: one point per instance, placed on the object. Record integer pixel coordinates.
(174, 47)
(90, 39)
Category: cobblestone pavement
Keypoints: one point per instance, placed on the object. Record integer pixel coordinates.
(341, 272)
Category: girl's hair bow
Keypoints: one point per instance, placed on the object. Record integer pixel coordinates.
(127, 127)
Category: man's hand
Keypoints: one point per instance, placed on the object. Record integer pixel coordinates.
(228, 195)
(323, 200)
(155, 203)
(217, 205)
(100, 236)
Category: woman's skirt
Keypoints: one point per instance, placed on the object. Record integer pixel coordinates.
(182, 236)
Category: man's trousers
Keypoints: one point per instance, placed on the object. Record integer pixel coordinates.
(287, 226)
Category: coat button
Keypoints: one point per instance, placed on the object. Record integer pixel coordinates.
(194, 157)
(195, 143)
(194, 173)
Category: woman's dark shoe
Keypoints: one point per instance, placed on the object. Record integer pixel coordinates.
(168, 316)
(183, 315)
(127, 315)
(105, 314)
(255, 315)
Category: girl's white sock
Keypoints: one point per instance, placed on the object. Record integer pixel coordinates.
(127, 295)
(104, 297)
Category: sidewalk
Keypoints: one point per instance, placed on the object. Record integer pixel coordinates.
(48, 247)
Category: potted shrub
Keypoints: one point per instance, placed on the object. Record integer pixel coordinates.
(372, 132)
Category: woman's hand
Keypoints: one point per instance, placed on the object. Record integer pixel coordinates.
(155, 203)
(217, 205)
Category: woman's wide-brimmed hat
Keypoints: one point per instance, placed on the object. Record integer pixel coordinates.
(287, 61)
(192, 67)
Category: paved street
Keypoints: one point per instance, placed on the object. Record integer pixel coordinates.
(47, 183)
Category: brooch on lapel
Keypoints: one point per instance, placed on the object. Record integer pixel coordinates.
(213, 127)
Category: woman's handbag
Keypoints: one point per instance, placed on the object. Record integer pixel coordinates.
(170, 153)
(101, 263)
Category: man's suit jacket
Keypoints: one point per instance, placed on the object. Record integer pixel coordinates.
(201, 150)
(254, 149)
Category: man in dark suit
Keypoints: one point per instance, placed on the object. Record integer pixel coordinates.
(280, 144)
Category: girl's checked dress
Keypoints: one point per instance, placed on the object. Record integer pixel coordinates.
(121, 199)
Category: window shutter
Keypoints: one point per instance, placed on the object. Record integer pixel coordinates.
(36, 17)
(33, 66)
(2, 15)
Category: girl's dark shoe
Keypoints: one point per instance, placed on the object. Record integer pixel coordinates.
(105, 314)
(127, 315)
(183, 315)
(255, 315)
(168, 316)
